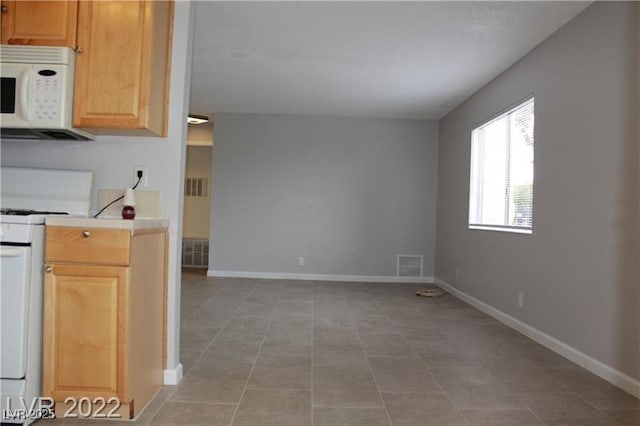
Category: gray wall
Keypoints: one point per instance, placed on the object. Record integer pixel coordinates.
(348, 194)
(578, 270)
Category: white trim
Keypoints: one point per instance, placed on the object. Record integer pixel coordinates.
(598, 368)
(514, 230)
(317, 277)
(173, 376)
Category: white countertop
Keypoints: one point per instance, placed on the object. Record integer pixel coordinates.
(113, 223)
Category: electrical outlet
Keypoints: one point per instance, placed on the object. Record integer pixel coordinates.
(520, 299)
(457, 275)
(145, 175)
(301, 261)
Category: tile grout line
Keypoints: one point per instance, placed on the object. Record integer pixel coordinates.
(522, 405)
(203, 352)
(255, 361)
(366, 357)
(218, 333)
(205, 403)
(566, 390)
(536, 416)
(196, 310)
(490, 374)
(207, 301)
(261, 388)
(421, 361)
(152, 416)
(168, 398)
(591, 405)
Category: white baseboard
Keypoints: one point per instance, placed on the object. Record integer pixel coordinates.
(172, 376)
(598, 368)
(318, 277)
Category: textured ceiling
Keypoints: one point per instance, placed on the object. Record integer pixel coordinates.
(371, 59)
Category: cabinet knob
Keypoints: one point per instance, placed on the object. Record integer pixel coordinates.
(48, 269)
(79, 49)
(86, 234)
(3, 8)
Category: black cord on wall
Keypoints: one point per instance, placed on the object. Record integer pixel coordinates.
(120, 197)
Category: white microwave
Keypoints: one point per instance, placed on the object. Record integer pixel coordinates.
(37, 93)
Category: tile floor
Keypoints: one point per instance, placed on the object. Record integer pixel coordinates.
(259, 352)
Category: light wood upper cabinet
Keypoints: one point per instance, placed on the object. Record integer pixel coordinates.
(122, 61)
(122, 67)
(40, 23)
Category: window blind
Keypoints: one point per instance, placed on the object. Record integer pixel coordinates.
(501, 187)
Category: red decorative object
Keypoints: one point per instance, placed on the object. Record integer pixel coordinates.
(128, 212)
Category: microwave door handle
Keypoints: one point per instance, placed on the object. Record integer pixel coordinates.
(24, 94)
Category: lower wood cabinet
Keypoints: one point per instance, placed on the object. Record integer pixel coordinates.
(103, 324)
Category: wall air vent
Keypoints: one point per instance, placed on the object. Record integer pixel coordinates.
(196, 187)
(409, 265)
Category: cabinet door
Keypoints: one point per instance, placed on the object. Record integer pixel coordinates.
(121, 72)
(85, 331)
(44, 23)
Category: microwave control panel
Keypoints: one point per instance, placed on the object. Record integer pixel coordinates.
(47, 92)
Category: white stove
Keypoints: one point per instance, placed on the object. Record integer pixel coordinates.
(27, 197)
(26, 216)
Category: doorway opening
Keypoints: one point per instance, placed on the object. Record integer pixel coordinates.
(197, 198)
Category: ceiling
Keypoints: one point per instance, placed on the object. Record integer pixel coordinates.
(372, 59)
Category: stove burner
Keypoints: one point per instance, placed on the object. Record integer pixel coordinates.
(25, 212)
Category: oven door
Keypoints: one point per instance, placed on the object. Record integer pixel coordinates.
(14, 295)
(15, 95)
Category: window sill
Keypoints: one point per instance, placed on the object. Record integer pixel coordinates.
(501, 229)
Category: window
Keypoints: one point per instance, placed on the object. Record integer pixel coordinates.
(501, 187)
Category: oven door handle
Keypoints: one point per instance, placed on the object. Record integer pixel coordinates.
(12, 252)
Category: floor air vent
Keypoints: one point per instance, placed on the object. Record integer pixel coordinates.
(409, 265)
(195, 253)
